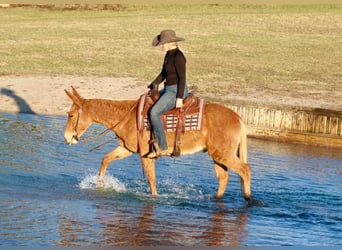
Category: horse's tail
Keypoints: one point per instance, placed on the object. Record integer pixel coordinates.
(242, 152)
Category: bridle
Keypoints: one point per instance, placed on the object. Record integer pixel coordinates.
(79, 111)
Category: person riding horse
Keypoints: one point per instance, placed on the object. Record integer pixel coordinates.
(175, 87)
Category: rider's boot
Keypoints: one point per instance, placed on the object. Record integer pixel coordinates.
(157, 152)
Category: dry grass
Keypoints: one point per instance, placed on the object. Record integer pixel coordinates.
(227, 46)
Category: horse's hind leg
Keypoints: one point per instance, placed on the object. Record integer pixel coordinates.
(243, 170)
(222, 178)
(245, 178)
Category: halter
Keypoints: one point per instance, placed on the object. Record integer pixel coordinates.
(79, 111)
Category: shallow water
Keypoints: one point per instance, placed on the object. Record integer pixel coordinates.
(49, 196)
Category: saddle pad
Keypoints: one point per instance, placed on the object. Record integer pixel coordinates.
(192, 121)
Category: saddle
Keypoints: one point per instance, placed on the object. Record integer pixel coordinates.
(178, 120)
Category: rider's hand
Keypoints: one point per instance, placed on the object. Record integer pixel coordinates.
(179, 103)
(153, 86)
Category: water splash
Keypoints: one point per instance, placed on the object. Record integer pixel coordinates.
(108, 183)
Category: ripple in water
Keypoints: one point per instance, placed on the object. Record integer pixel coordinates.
(52, 190)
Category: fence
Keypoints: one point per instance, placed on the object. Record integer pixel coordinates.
(300, 125)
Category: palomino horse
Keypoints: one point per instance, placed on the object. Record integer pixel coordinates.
(223, 136)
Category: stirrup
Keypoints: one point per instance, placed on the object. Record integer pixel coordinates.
(157, 154)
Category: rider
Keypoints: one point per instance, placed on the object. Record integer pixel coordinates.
(175, 87)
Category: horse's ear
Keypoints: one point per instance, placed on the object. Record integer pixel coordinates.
(74, 98)
(74, 91)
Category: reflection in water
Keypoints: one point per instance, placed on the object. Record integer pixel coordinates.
(144, 226)
(226, 228)
(43, 201)
(118, 228)
(70, 231)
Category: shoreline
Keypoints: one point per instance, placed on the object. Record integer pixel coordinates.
(45, 94)
(265, 118)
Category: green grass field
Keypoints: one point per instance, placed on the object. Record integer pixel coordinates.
(227, 46)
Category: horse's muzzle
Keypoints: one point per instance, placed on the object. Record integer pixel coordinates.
(70, 139)
(74, 140)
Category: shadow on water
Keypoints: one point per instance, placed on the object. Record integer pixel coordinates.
(23, 106)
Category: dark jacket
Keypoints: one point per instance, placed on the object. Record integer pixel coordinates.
(173, 71)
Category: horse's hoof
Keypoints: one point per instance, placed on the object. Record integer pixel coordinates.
(100, 182)
(248, 198)
(256, 203)
(219, 197)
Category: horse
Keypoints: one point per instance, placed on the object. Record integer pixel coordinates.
(223, 137)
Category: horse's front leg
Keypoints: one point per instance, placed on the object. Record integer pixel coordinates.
(150, 172)
(118, 153)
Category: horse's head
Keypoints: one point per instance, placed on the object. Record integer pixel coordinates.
(78, 120)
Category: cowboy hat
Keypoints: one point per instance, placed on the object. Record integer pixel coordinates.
(166, 36)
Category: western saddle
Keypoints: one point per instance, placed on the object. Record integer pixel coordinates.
(178, 120)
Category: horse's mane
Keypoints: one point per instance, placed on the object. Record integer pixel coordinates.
(108, 108)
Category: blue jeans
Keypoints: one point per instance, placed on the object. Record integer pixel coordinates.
(166, 102)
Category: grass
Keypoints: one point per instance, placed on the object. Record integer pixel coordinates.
(227, 46)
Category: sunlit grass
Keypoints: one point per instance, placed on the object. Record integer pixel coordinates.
(227, 46)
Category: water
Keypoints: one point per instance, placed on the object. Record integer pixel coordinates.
(49, 196)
